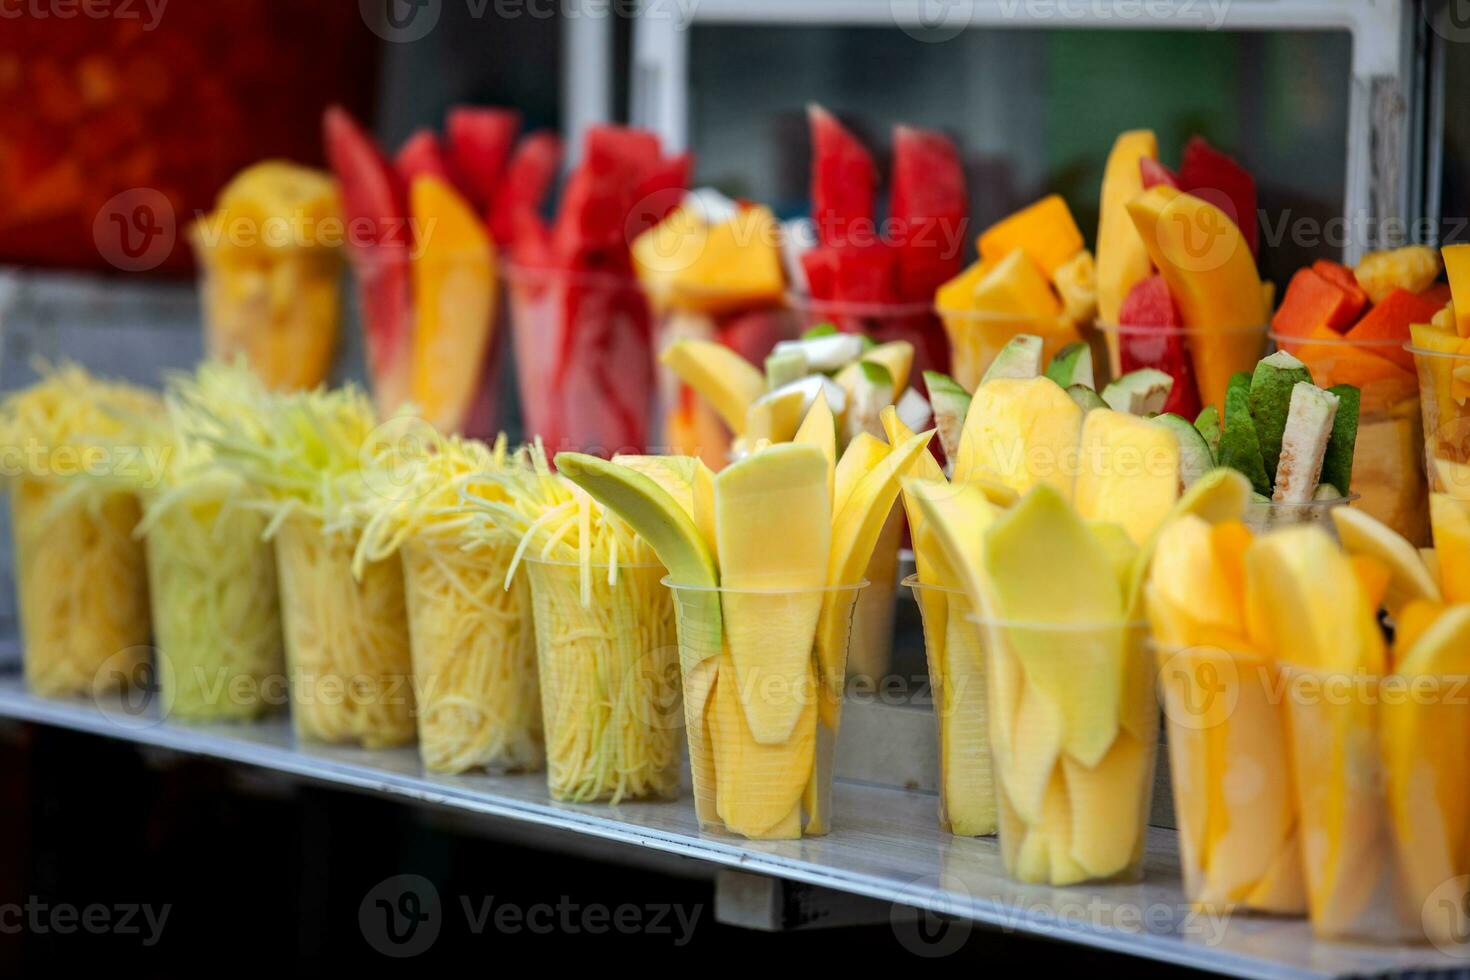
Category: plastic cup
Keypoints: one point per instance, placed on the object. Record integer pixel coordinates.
(918, 323)
(1072, 754)
(762, 735)
(1444, 388)
(584, 359)
(216, 609)
(1229, 762)
(1381, 766)
(1388, 459)
(278, 307)
(609, 673)
(1135, 347)
(1267, 515)
(347, 648)
(956, 658)
(686, 424)
(82, 584)
(977, 336)
(474, 657)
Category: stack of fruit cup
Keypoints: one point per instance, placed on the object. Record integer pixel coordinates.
(469, 619)
(608, 664)
(270, 273)
(79, 571)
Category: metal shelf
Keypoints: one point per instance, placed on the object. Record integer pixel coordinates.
(886, 846)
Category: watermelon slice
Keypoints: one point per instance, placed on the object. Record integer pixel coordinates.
(480, 140)
(1154, 338)
(843, 180)
(528, 177)
(375, 209)
(927, 205)
(422, 156)
(1213, 176)
(1155, 173)
(658, 192)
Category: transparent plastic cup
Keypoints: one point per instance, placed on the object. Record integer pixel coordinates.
(584, 359)
(977, 336)
(1444, 388)
(82, 590)
(468, 404)
(609, 674)
(1072, 754)
(956, 658)
(686, 424)
(347, 647)
(1388, 458)
(216, 609)
(762, 735)
(1267, 515)
(279, 308)
(1230, 765)
(1381, 767)
(918, 323)
(474, 657)
(1213, 353)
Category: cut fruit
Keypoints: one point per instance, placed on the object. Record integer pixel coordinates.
(1207, 423)
(422, 156)
(1072, 365)
(843, 180)
(1409, 579)
(777, 415)
(951, 403)
(1022, 433)
(480, 141)
(819, 429)
(1038, 550)
(1021, 357)
(1085, 397)
(1413, 268)
(1127, 473)
(1195, 457)
(826, 352)
(1212, 276)
(1337, 463)
(1014, 285)
(773, 522)
(1122, 259)
(1076, 283)
(1240, 448)
(927, 207)
(958, 516)
(1141, 392)
(454, 280)
(528, 176)
(1213, 176)
(1304, 443)
(727, 381)
(861, 457)
(657, 518)
(1270, 401)
(1450, 519)
(1045, 231)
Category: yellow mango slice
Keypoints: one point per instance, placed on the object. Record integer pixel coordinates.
(1409, 579)
(1033, 747)
(454, 282)
(1021, 432)
(759, 785)
(1075, 281)
(1108, 802)
(699, 689)
(1127, 472)
(1303, 589)
(1457, 268)
(1016, 286)
(958, 517)
(1058, 828)
(1045, 231)
(819, 429)
(1426, 743)
(854, 535)
(1039, 550)
(1450, 520)
(724, 379)
(964, 725)
(1212, 277)
(1187, 574)
(702, 495)
(959, 293)
(896, 357)
(1122, 259)
(1118, 546)
(674, 474)
(861, 457)
(1220, 495)
(774, 526)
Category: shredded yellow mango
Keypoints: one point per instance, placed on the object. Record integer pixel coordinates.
(606, 647)
(347, 647)
(474, 650)
(73, 447)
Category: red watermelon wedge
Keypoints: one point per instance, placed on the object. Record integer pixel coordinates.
(843, 181)
(927, 208)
